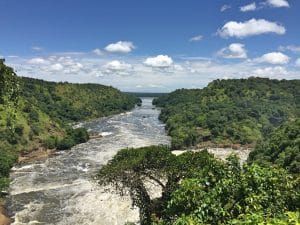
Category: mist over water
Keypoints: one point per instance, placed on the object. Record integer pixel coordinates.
(60, 189)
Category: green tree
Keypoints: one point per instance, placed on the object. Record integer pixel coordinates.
(129, 169)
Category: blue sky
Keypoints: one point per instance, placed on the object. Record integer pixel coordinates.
(143, 45)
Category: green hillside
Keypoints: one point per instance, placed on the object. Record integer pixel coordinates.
(229, 112)
(282, 148)
(37, 114)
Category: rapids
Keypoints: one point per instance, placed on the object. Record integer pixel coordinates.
(60, 189)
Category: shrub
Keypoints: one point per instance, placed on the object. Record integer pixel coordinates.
(66, 143)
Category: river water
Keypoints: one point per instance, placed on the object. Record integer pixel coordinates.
(60, 189)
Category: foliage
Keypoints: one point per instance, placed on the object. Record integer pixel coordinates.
(289, 218)
(66, 102)
(130, 168)
(9, 87)
(228, 112)
(282, 148)
(240, 194)
(199, 189)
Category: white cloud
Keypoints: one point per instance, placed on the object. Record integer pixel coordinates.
(225, 7)
(132, 74)
(278, 3)
(97, 51)
(234, 51)
(250, 28)
(270, 71)
(178, 67)
(62, 64)
(37, 61)
(196, 38)
(249, 7)
(297, 63)
(160, 61)
(117, 67)
(273, 58)
(56, 67)
(120, 47)
(292, 48)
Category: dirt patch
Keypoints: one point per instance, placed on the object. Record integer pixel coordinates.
(4, 219)
(39, 154)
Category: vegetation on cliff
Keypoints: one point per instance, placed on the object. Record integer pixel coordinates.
(281, 149)
(38, 114)
(241, 111)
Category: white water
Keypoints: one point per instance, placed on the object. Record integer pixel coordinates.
(60, 191)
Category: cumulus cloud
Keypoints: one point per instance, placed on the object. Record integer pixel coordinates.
(297, 63)
(196, 38)
(273, 58)
(160, 61)
(234, 51)
(120, 47)
(51, 64)
(37, 61)
(249, 7)
(278, 3)
(56, 67)
(225, 7)
(250, 28)
(292, 48)
(270, 71)
(117, 67)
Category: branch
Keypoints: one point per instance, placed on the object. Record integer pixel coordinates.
(154, 179)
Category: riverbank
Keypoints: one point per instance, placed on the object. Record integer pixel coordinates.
(40, 154)
(222, 153)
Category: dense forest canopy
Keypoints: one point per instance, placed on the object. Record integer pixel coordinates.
(282, 148)
(241, 111)
(36, 113)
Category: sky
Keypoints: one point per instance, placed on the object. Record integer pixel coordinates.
(151, 45)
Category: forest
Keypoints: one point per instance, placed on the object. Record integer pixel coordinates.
(38, 114)
(227, 112)
(198, 189)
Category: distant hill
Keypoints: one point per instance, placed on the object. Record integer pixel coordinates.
(145, 94)
(226, 112)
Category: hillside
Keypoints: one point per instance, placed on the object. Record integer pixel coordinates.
(37, 114)
(282, 148)
(229, 112)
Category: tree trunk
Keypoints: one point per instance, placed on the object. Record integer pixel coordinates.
(142, 200)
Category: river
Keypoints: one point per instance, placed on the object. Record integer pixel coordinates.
(60, 189)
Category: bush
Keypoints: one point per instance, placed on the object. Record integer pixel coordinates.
(51, 142)
(6, 162)
(80, 135)
(66, 143)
